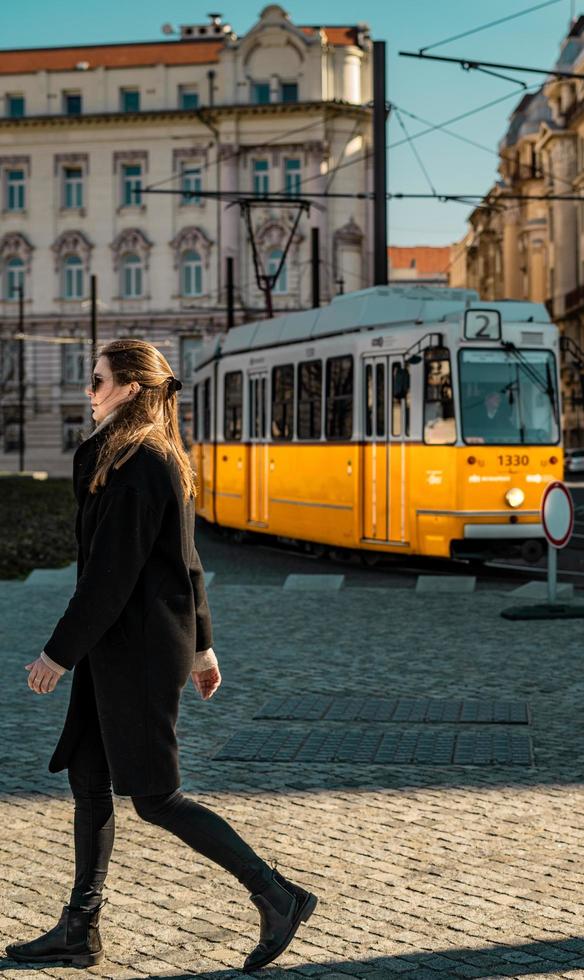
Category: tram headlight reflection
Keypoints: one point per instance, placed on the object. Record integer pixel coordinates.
(515, 497)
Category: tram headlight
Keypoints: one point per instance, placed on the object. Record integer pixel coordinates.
(515, 497)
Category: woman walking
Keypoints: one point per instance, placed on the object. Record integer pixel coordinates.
(137, 626)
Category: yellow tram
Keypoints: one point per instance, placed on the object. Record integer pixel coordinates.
(408, 420)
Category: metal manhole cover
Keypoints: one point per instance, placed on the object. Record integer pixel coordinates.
(371, 745)
(318, 707)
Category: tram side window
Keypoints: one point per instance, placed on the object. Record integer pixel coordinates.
(283, 401)
(368, 399)
(399, 422)
(375, 392)
(380, 407)
(439, 423)
(339, 397)
(309, 421)
(233, 405)
(207, 410)
(196, 413)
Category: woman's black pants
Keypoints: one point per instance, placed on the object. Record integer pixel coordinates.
(94, 826)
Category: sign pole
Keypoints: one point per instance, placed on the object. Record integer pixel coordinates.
(557, 521)
(552, 570)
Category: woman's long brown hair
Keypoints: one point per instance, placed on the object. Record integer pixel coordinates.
(151, 417)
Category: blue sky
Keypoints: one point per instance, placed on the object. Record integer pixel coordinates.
(432, 91)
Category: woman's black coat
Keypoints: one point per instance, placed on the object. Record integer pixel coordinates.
(137, 616)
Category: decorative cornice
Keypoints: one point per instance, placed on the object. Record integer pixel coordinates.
(62, 159)
(15, 245)
(188, 238)
(71, 243)
(131, 240)
(16, 160)
(189, 153)
(130, 156)
(331, 107)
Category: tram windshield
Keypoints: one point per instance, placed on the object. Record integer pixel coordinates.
(509, 396)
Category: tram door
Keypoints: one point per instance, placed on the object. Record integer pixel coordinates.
(376, 449)
(258, 449)
(399, 428)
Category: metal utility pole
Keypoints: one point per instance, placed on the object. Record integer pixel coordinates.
(379, 167)
(21, 378)
(230, 302)
(315, 268)
(93, 319)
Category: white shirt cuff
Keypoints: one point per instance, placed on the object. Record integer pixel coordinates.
(205, 659)
(52, 664)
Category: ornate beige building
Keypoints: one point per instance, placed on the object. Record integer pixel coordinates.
(85, 130)
(534, 249)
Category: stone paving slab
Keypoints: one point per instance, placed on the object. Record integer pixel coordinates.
(428, 871)
(539, 590)
(449, 584)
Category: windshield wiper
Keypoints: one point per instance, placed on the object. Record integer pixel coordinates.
(548, 389)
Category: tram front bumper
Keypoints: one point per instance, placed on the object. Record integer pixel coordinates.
(492, 531)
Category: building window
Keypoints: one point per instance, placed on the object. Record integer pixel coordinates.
(72, 187)
(130, 99)
(72, 103)
(132, 276)
(9, 353)
(233, 405)
(283, 401)
(15, 190)
(289, 91)
(73, 363)
(339, 397)
(73, 277)
(206, 409)
(191, 274)
(12, 433)
(292, 178)
(261, 177)
(189, 349)
(132, 185)
(14, 278)
(72, 432)
(15, 106)
(280, 286)
(260, 93)
(309, 411)
(188, 97)
(191, 185)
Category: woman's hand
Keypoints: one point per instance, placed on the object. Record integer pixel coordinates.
(42, 678)
(206, 681)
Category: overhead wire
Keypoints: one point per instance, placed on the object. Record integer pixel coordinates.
(492, 23)
(414, 151)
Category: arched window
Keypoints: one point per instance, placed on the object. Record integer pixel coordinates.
(281, 284)
(14, 278)
(132, 283)
(73, 284)
(191, 274)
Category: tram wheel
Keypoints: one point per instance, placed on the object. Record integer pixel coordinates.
(370, 558)
(341, 555)
(476, 564)
(314, 549)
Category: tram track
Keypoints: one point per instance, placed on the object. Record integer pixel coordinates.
(413, 565)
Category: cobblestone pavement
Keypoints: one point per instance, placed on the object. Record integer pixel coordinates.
(420, 871)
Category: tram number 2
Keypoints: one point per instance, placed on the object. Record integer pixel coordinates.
(513, 459)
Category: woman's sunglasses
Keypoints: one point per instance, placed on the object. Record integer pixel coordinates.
(96, 380)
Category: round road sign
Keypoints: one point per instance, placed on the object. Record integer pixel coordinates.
(557, 514)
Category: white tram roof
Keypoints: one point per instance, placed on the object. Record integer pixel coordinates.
(379, 306)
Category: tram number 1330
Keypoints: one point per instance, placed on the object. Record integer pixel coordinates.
(513, 459)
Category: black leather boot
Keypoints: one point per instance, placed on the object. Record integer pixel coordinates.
(282, 907)
(75, 939)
